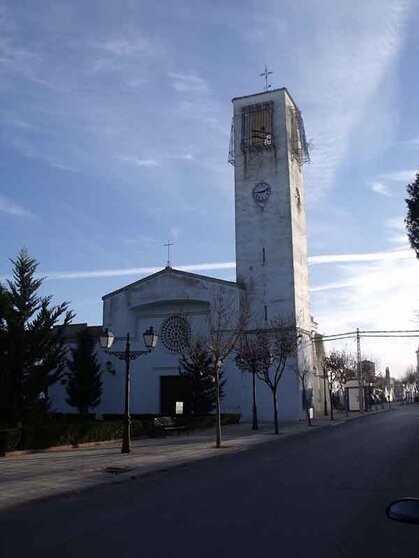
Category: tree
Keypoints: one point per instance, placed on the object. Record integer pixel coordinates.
(226, 322)
(195, 364)
(84, 383)
(410, 376)
(250, 358)
(337, 367)
(5, 380)
(412, 218)
(278, 344)
(32, 350)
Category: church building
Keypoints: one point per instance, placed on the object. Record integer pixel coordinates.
(268, 148)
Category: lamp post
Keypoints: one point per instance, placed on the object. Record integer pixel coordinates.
(106, 340)
(255, 425)
(218, 365)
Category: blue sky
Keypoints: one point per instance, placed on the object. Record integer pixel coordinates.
(115, 120)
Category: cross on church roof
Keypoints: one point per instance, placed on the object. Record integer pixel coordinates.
(265, 74)
(168, 244)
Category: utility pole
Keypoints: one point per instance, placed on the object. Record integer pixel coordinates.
(360, 379)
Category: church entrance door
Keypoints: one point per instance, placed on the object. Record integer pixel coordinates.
(174, 389)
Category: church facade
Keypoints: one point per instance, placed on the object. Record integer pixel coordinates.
(268, 149)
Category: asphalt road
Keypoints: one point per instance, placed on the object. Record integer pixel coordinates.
(320, 494)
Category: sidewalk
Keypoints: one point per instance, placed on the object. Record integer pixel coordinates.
(41, 475)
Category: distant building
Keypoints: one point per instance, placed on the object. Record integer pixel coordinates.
(368, 371)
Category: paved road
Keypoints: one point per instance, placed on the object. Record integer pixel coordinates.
(317, 495)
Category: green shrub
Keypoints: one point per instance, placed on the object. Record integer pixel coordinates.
(9, 440)
(63, 434)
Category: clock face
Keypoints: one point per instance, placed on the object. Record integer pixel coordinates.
(261, 192)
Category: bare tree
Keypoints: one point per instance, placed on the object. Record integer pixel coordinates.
(278, 343)
(226, 322)
(251, 358)
(410, 376)
(337, 367)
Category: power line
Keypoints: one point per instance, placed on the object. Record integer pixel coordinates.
(372, 333)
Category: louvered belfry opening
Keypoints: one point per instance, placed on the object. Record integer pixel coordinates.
(257, 127)
(300, 147)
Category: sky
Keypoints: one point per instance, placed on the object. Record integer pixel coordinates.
(114, 130)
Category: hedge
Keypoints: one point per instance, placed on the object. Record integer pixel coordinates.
(9, 440)
(207, 421)
(60, 433)
(64, 434)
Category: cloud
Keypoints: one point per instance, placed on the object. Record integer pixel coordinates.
(134, 271)
(139, 162)
(174, 232)
(376, 295)
(147, 162)
(214, 266)
(350, 53)
(380, 188)
(337, 285)
(7, 206)
(188, 82)
(397, 229)
(400, 176)
(183, 157)
(414, 142)
(124, 46)
(140, 239)
(395, 223)
(362, 257)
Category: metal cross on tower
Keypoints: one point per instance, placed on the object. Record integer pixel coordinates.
(265, 74)
(168, 245)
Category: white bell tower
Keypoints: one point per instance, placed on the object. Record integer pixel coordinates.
(268, 149)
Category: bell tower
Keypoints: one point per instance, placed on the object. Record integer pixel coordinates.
(268, 149)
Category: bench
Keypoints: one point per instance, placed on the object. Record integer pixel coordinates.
(169, 424)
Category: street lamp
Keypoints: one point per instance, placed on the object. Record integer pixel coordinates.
(106, 340)
(218, 366)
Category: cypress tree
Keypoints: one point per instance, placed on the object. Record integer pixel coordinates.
(84, 383)
(412, 218)
(32, 350)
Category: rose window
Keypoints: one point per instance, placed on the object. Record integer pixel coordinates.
(175, 333)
